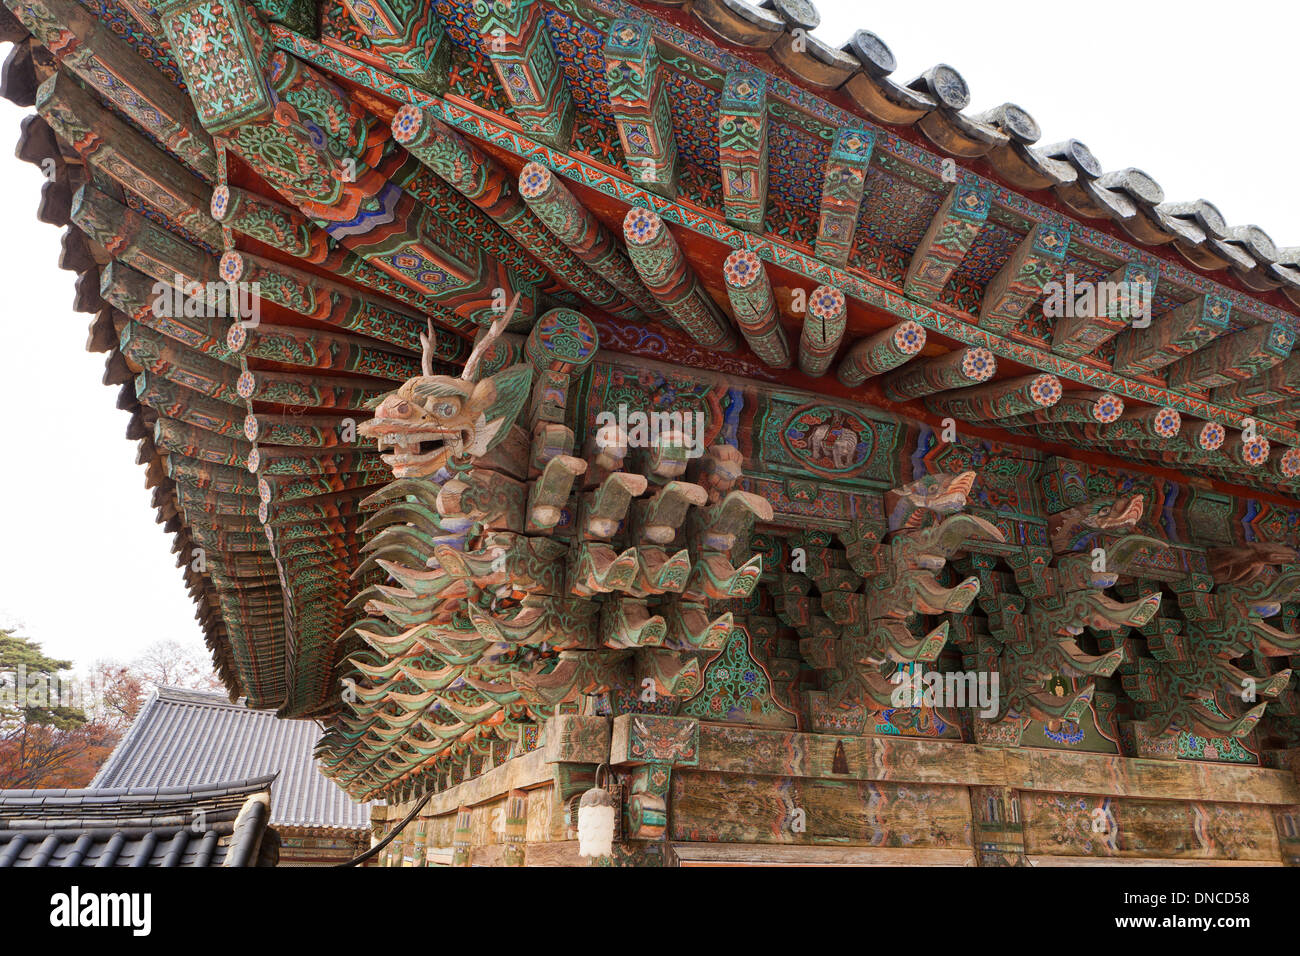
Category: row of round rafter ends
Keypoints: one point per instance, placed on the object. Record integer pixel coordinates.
(1005, 136)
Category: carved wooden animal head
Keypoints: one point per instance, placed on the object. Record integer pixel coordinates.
(1100, 514)
(431, 419)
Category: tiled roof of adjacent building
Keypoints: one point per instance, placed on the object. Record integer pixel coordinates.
(215, 824)
(182, 737)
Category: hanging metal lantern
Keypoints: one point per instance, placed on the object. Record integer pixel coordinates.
(596, 817)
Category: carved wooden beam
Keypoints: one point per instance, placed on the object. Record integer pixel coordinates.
(410, 38)
(1174, 335)
(334, 303)
(435, 258)
(1082, 327)
(106, 62)
(287, 229)
(304, 431)
(638, 98)
(324, 152)
(842, 186)
(168, 358)
(309, 390)
(1233, 358)
(190, 471)
(823, 328)
(517, 41)
(1100, 408)
(163, 256)
(671, 280)
(114, 148)
(1250, 452)
(312, 348)
(754, 307)
(291, 462)
(998, 400)
(879, 353)
(1286, 466)
(135, 294)
(562, 214)
(953, 230)
(1281, 383)
(169, 395)
(193, 442)
(480, 180)
(1144, 424)
(1037, 260)
(961, 368)
(129, 236)
(742, 148)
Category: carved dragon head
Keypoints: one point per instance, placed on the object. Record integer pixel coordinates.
(937, 494)
(1101, 514)
(433, 419)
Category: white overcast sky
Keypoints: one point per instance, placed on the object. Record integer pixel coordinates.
(1198, 94)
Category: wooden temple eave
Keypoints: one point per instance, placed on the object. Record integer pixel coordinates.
(865, 289)
(828, 113)
(384, 207)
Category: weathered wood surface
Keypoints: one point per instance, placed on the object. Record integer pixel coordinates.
(713, 807)
(751, 751)
(759, 854)
(1083, 826)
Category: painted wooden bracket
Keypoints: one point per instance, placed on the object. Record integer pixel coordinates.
(638, 98)
(742, 148)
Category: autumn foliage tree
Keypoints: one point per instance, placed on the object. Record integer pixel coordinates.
(56, 732)
(44, 740)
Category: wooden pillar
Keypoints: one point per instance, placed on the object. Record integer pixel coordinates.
(877, 354)
(652, 746)
(1287, 820)
(461, 840)
(960, 368)
(516, 835)
(823, 328)
(671, 280)
(754, 306)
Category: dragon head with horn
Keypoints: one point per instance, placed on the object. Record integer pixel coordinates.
(433, 420)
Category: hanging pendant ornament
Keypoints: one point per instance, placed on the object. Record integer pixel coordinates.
(596, 819)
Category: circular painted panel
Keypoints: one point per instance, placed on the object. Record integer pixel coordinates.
(828, 441)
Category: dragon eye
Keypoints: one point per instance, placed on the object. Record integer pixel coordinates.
(402, 408)
(446, 409)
